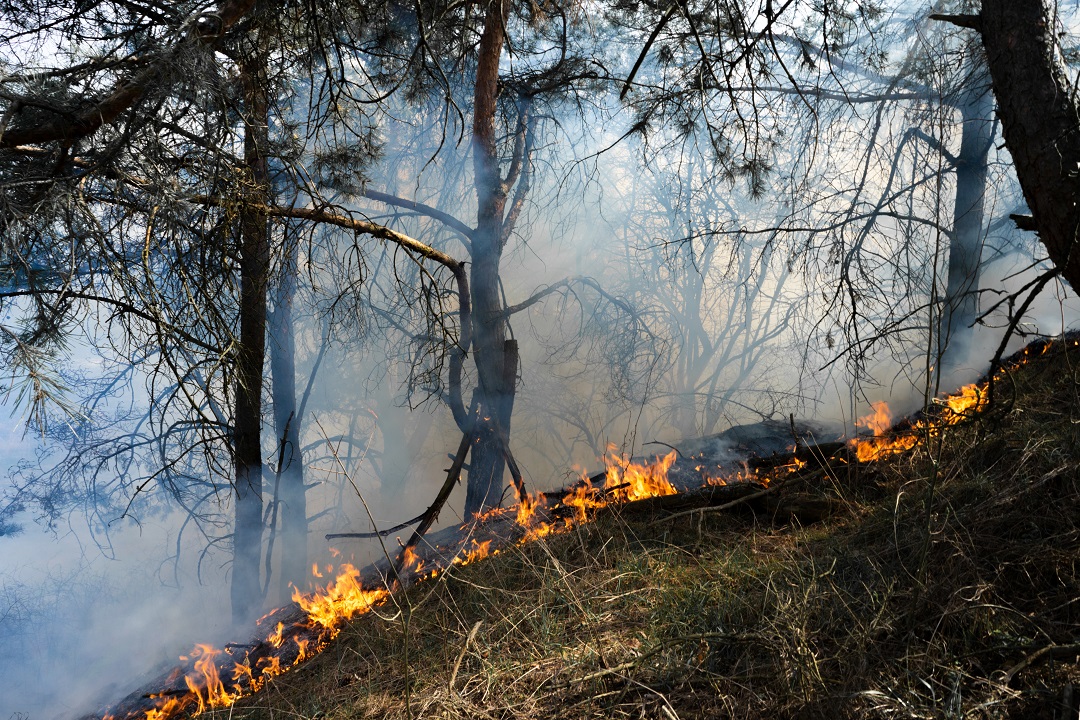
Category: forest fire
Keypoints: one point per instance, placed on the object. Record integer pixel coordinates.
(218, 677)
(952, 409)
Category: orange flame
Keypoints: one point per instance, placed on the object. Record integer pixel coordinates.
(206, 685)
(413, 561)
(630, 481)
(880, 446)
(341, 600)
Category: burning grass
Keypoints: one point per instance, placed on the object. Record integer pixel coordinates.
(947, 587)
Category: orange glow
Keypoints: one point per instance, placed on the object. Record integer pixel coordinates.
(879, 446)
(479, 551)
(413, 561)
(526, 510)
(878, 421)
(341, 600)
(171, 706)
(205, 683)
(276, 638)
(970, 399)
(583, 498)
(957, 407)
(640, 481)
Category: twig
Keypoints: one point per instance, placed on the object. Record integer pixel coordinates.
(465, 649)
(377, 533)
(1053, 651)
(452, 476)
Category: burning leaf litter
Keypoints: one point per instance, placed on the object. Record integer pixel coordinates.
(219, 677)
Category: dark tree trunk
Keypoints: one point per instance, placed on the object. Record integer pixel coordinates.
(254, 262)
(965, 249)
(1039, 119)
(292, 502)
(487, 468)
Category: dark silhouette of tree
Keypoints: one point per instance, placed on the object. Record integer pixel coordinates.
(1039, 116)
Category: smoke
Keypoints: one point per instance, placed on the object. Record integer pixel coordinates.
(80, 630)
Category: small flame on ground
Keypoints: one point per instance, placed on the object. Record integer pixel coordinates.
(961, 405)
(629, 481)
(341, 600)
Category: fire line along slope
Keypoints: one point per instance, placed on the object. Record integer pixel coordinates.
(944, 574)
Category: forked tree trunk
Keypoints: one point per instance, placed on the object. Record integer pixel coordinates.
(1039, 119)
(487, 468)
(247, 432)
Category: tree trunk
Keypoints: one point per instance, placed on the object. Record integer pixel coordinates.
(292, 502)
(1039, 119)
(965, 248)
(254, 263)
(487, 468)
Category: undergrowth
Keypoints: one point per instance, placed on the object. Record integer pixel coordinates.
(963, 602)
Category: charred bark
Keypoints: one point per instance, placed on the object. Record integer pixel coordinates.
(1040, 120)
(254, 267)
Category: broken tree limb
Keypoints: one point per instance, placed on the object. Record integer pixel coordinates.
(377, 533)
(1057, 652)
(748, 497)
(429, 516)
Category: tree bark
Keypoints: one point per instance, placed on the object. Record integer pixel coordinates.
(247, 432)
(487, 469)
(291, 499)
(965, 248)
(1039, 118)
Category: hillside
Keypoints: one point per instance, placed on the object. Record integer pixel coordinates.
(943, 581)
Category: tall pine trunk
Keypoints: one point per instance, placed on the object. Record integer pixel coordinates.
(247, 420)
(495, 398)
(1040, 120)
(292, 502)
(969, 232)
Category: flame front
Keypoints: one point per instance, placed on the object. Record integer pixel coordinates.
(327, 608)
(966, 402)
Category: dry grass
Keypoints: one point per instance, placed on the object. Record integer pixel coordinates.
(951, 566)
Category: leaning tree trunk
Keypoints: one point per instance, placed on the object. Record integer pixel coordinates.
(965, 248)
(292, 502)
(254, 267)
(495, 399)
(1039, 119)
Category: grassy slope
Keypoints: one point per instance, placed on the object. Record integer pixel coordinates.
(947, 568)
